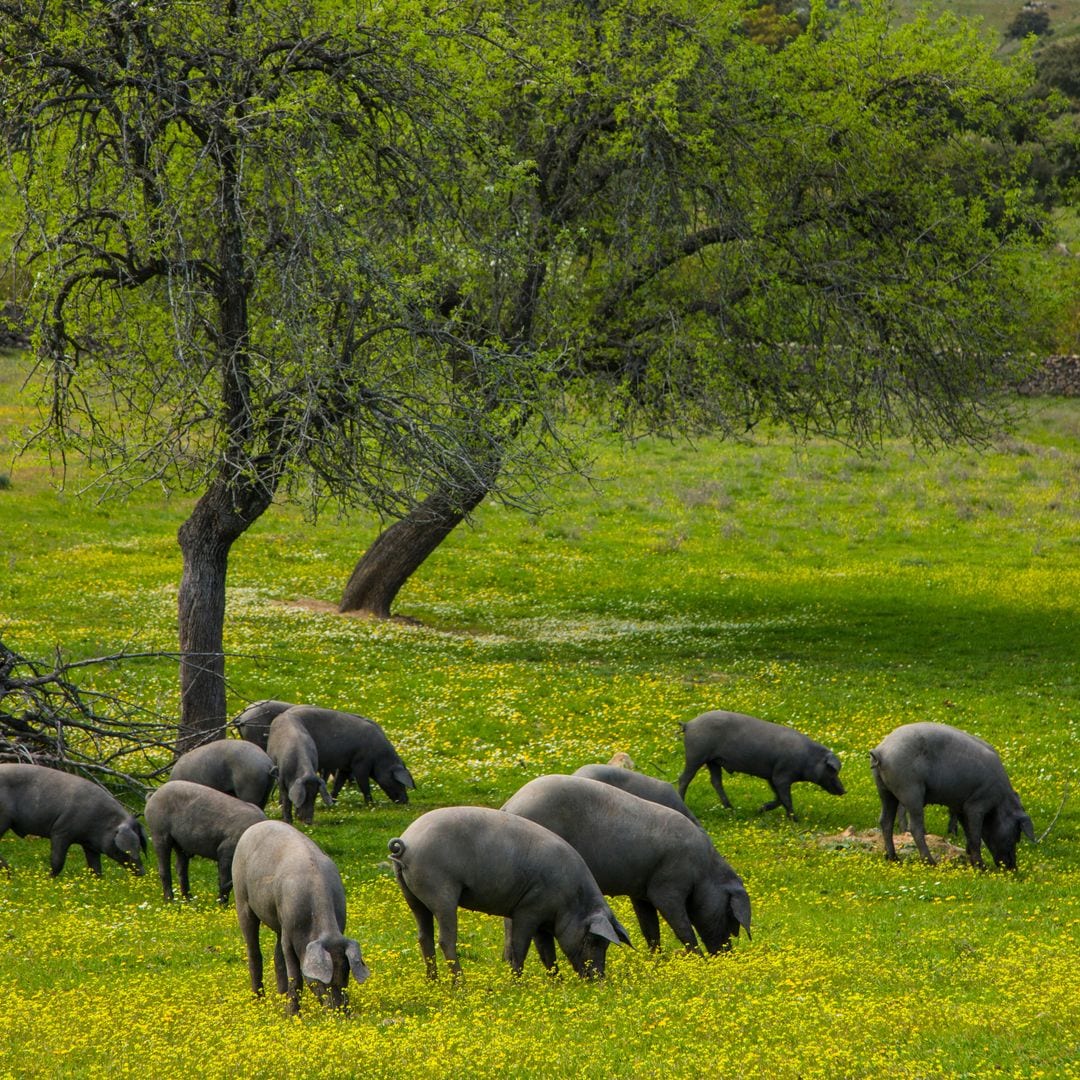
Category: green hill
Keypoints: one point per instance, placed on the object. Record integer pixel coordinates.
(997, 15)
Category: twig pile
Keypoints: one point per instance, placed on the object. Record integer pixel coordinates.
(47, 719)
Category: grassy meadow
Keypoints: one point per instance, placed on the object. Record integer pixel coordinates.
(996, 15)
(841, 594)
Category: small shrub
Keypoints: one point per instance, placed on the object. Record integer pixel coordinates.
(1030, 19)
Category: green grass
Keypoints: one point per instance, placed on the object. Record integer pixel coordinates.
(842, 595)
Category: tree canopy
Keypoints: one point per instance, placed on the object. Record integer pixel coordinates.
(712, 233)
(219, 201)
(279, 250)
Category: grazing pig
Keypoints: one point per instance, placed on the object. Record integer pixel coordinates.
(193, 819)
(293, 751)
(485, 860)
(254, 722)
(745, 744)
(285, 881)
(37, 801)
(351, 746)
(918, 764)
(648, 852)
(233, 766)
(644, 787)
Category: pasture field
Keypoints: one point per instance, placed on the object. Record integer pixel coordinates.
(841, 594)
(996, 15)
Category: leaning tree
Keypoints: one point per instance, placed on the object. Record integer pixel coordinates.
(220, 206)
(711, 234)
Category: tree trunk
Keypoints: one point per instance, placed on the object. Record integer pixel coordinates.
(220, 517)
(397, 552)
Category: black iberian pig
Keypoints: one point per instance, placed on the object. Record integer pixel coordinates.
(500, 864)
(292, 750)
(644, 787)
(284, 880)
(744, 744)
(68, 809)
(193, 819)
(353, 747)
(254, 722)
(917, 764)
(637, 848)
(234, 766)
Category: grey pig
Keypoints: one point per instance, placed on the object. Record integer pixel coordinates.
(745, 744)
(284, 880)
(192, 819)
(37, 801)
(656, 856)
(644, 787)
(233, 766)
(954, 820)
(485, 860)
(352, 746)
(254, 722)
(293, 751)
(918, 764)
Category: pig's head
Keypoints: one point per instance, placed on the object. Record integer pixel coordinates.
(717, 909)
(826, 773)
(302, 792)
(126, 845)
(1002, 829)
(327, 963)
(395, 780)
(585, 940)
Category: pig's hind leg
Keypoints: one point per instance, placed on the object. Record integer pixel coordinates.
(917, 821)
(425, 927)
(716, 775)
(782, 790)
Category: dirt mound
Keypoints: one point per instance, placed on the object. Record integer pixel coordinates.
(871, 840)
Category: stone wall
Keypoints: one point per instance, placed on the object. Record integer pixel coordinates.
(1058, 377)
(12, 333)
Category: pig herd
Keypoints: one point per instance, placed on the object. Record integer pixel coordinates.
(545, 861)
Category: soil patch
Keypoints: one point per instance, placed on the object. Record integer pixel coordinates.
(871, 840)
(325, 607)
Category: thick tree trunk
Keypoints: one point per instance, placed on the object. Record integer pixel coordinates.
(397, 552)
(220, 517)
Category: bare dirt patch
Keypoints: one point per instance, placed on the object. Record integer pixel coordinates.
(325, 607)
(871, 840)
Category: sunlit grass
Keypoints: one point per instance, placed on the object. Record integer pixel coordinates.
(844, 595)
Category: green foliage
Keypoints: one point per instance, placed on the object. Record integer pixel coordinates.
(1058, 66)
(842, 594)
(230, 245)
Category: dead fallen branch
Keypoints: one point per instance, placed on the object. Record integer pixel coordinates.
(46, 718)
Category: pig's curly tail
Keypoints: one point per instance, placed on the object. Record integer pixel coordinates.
(396, 847)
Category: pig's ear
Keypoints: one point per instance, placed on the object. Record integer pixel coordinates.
(297, 792)
(403, 777)
(317, 963)
(740, 908)
(357, 966)
(127, 840)
(1026, 825)
(832, 761)
(609, 928)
